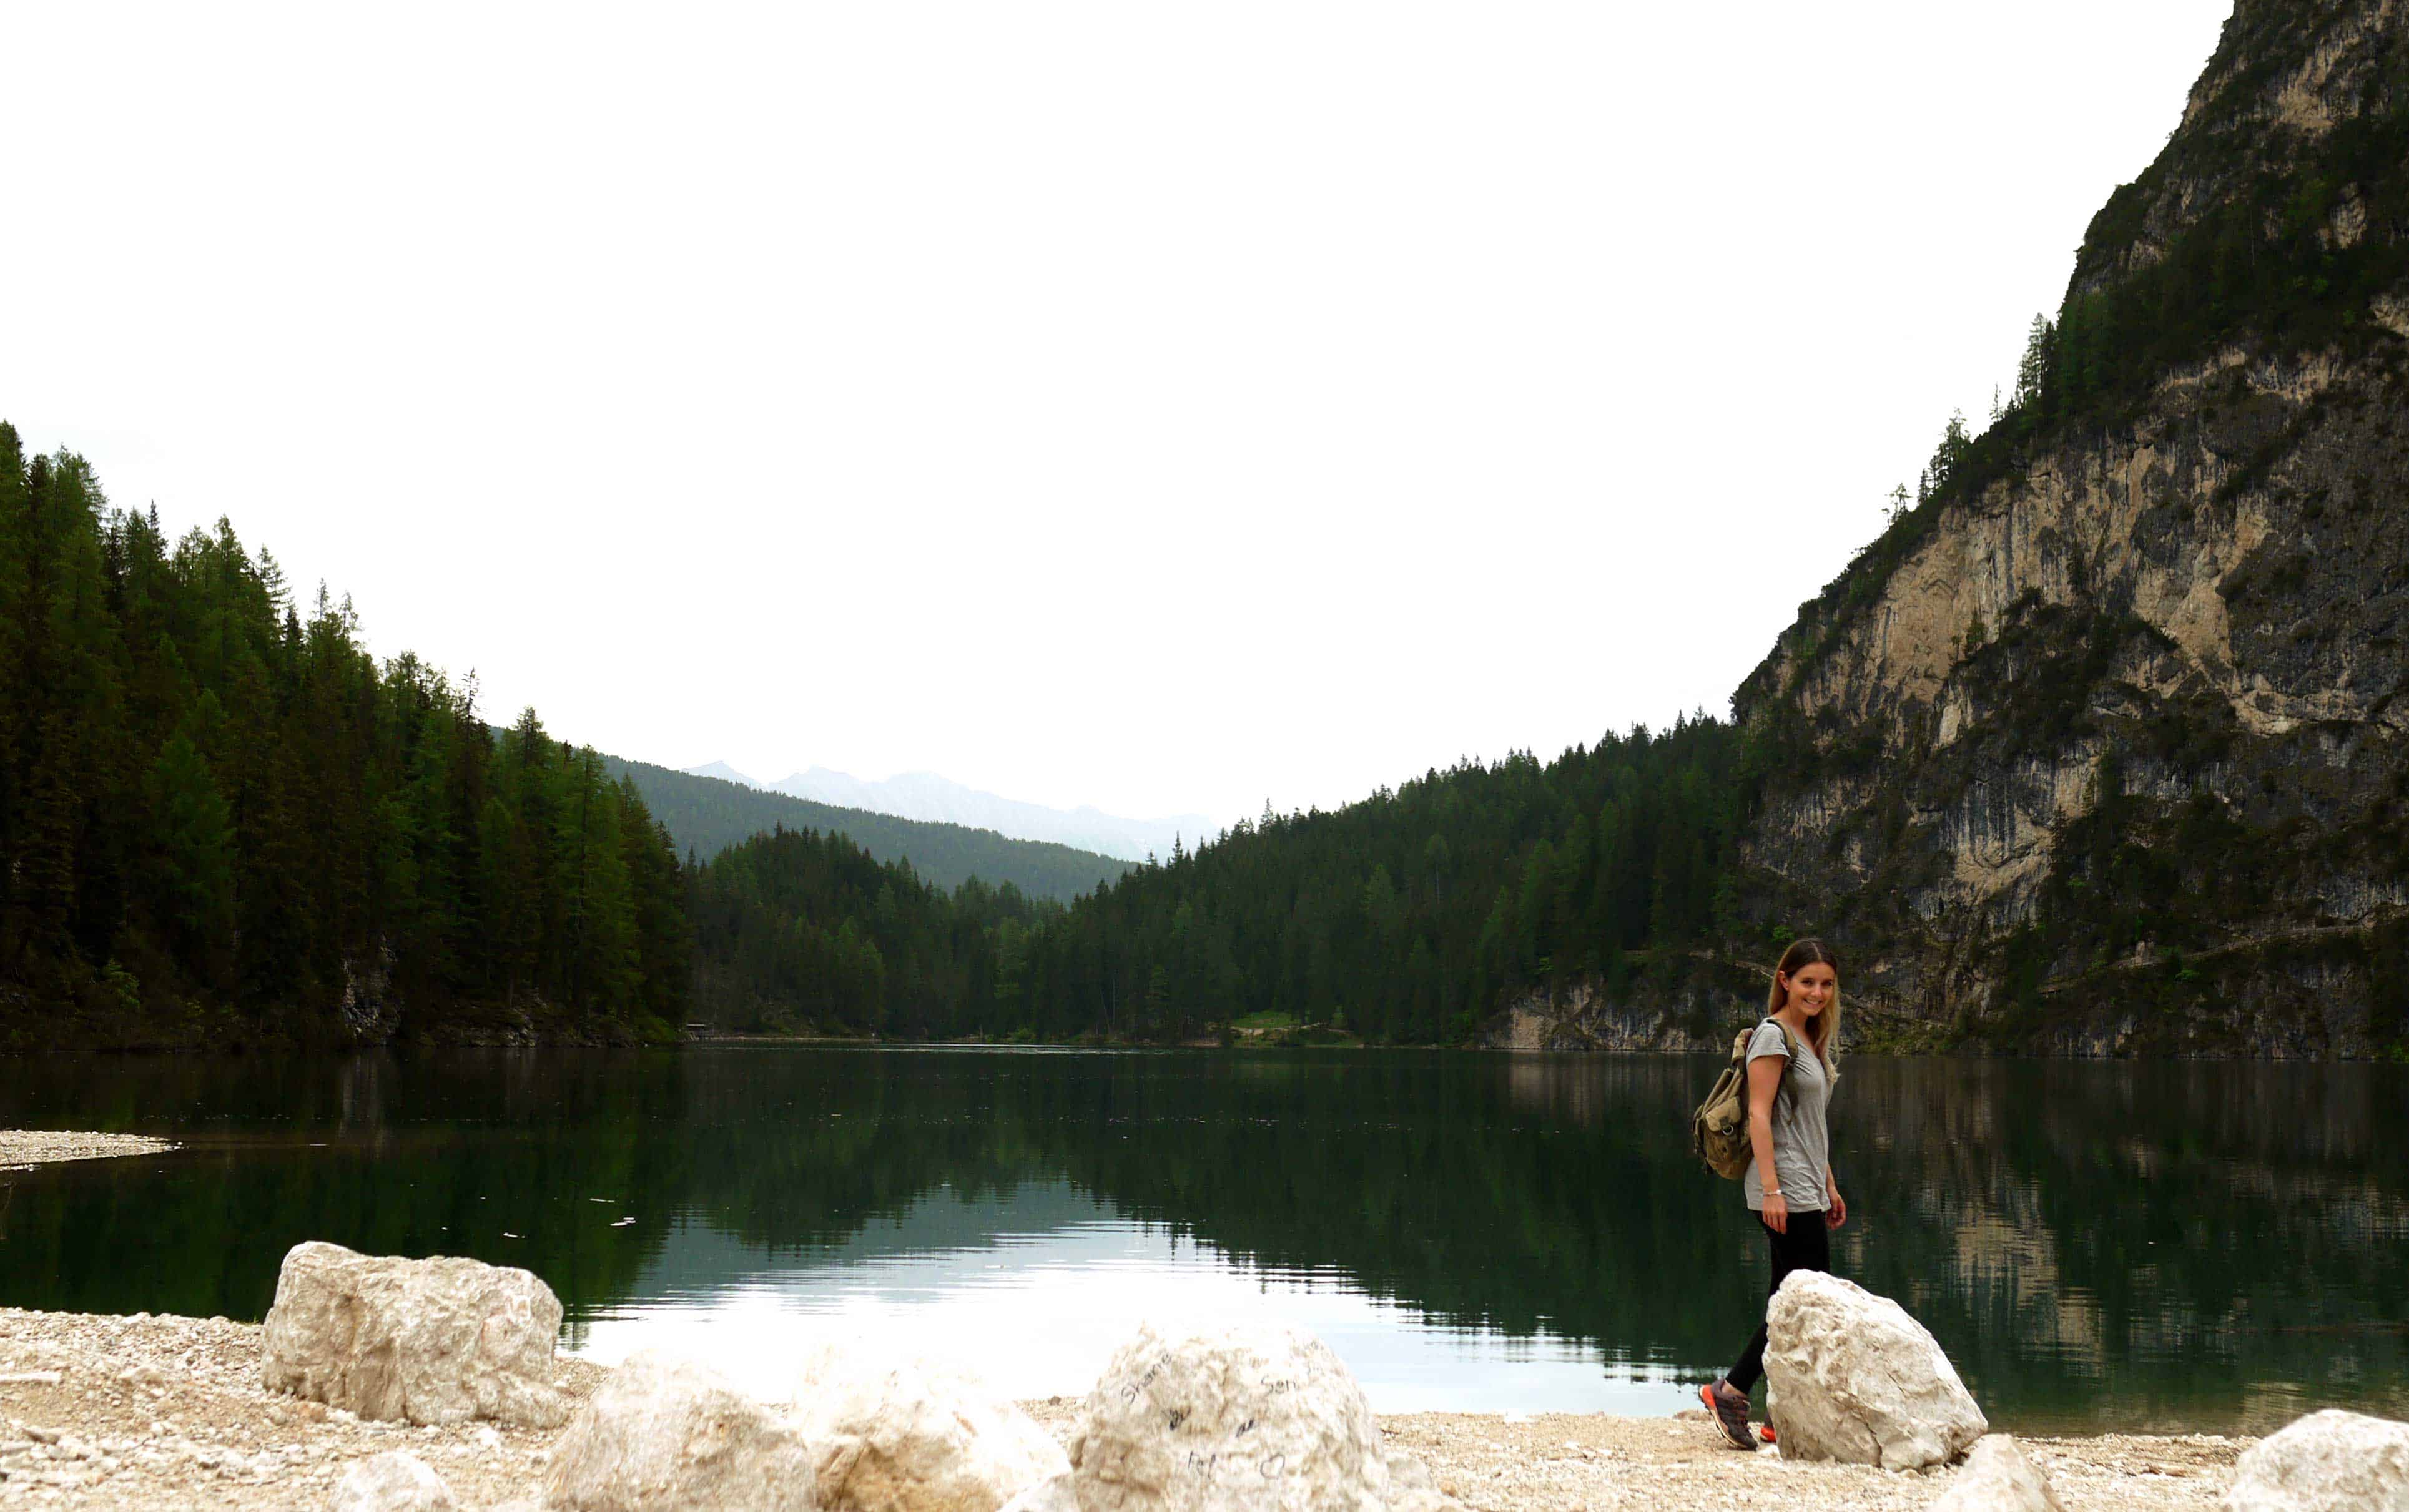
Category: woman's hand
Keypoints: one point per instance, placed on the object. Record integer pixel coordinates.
(1837, 1213)
(1776, 1212)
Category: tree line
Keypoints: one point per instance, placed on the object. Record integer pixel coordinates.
(800, 929)
(221, 820)
(1407, 918)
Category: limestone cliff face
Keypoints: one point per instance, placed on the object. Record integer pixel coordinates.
(2106, 747)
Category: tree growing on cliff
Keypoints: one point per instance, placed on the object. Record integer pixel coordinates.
(2032, 371)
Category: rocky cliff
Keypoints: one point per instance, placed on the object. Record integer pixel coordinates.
(2103, 747)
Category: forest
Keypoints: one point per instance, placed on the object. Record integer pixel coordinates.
(221, 822)
(1402, 918)
(799, 930)
(224, 821)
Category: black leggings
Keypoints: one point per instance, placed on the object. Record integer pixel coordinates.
(1807, 1246)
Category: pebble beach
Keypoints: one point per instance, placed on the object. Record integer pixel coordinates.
(156, 1412)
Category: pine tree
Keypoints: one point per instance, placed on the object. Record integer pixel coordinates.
(193, 860)
(2032, 371)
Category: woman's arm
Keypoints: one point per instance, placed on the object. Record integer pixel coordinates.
(1764, 1085)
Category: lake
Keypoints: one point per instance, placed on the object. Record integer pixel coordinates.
(2199, 1246)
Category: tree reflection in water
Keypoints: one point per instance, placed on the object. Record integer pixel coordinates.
(2200, 1245)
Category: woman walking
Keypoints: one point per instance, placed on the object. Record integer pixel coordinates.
(1789, 1184)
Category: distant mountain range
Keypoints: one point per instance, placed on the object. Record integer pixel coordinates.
(926, 797)
(706, 814)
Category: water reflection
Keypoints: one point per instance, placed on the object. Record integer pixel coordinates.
(1056, 1282)
(2205, 1246)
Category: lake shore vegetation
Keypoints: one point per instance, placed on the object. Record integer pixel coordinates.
(225, 823)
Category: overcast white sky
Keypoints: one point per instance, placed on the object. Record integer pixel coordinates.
(1163, 407)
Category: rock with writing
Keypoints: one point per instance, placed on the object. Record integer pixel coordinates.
(2327, 1462)
(662, 1432)
(393, 1483)
(1854, 1378)
(1999, 1477)
(1251, 1418)
(428, 1341)
(904, 1435)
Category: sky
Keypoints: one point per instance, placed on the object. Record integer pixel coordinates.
(1177, 409)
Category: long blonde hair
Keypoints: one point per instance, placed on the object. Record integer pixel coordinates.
(1823, 1029)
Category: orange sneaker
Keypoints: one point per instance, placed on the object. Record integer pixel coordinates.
(1729, 1410)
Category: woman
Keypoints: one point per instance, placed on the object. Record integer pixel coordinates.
(1789, 1182)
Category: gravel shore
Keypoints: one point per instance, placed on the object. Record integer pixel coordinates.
(165, 1413)
(24, 1148)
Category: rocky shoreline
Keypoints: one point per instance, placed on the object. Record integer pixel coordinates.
(167, 1412)
(162, 1412)
(22, 1148)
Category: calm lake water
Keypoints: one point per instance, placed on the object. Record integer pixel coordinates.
(2200, 1245)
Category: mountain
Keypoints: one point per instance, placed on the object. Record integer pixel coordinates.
(2101, 748)
(2106, 747)
(924, 794)
(706, 814)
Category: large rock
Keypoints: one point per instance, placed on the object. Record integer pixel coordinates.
(393, 1482)
(1055, 1493)
(1254, 1419)
(2327, 1462)
(1999, 1477)
(431, 1341)
(916, 1437)
(1854, 1378)
(662, 1433)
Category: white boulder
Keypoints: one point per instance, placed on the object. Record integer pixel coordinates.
(664, 1432)
(1252, 1418)
(1999, 1477)
(393, 1482)
(1055, 1493)
(897, 1435)
(431, 1341)
(2327, 1462)
(1854, 1378)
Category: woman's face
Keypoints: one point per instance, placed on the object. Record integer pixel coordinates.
(1811, 986)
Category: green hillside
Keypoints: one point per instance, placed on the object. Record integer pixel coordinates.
(1404, 918)
(222, 822)
(707, 815)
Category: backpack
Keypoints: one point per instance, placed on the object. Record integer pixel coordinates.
(1718, 1130)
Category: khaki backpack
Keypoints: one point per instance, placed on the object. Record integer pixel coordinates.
(1718, 1130)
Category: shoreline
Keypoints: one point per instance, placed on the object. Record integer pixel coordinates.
(1255, 1042)
(160, 1411)
(22, 1150)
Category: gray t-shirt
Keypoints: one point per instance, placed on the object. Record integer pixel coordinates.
(1802, 1144)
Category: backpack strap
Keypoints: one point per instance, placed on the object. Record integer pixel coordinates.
(1789, 1043)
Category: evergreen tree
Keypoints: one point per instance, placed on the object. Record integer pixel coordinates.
(207, 802)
